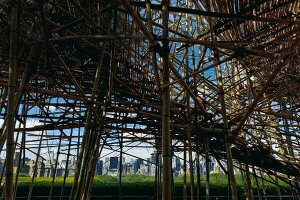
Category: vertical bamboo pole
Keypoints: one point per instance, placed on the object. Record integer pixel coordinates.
(94, 142)
(249, 191)
(159, 169)
(120, 166)
(88, 184)
(84, 174)
(263, 185)
(87, 127)
(243, 179)
(197, 157)
(35, 166)
(207, 168)
(18, 96)
(166, 139)
(226, 126)
(81, 152)
(248, 182)
(185, 149)
(290, 152)
(17, 172)
(191, 171)
(9, 186)
(257, 184)
(22, 147)
(278, 188)
(96, 151)
(198, 170)
(190, 150)
(55, 168)
(184, 169)
(155, 196)
(67, 164)
(75, 189)
(244, 170)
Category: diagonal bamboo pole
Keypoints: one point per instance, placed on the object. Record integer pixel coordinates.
(153, 56)
(87, 128)
(283, 62)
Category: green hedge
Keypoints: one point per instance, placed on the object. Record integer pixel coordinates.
(137, 185)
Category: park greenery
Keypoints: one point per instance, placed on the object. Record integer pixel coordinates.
(142, 185)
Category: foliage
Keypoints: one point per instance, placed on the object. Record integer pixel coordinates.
(139, 185)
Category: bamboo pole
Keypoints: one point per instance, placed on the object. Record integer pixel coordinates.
(9, 186)
(263, 185)
(197, 157)
(18, 96)
(55, 168)
(95, 156)
(157, 168)
(144, 101)
(216, 14)
(241, 168)
(278, 189)
(88, 166)
(207, 170)
(67, 165)
(191, 167)
(34, 174)
(93, 170)
(17, 172)
(248, 182)
(198, 171)
(257, 184)
(87, 126)
(189, 138)
(159, 174)
(282, 63)
(166, 139)
(155, 196)
(227, 135)
(22, 148)
(153, 56)
(184, 169)
(120, 166)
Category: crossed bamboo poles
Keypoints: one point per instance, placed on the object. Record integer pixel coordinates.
(206, 100)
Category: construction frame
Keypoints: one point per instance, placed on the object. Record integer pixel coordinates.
(216, 78)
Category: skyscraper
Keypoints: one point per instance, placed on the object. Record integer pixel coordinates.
(99, 167)
(113, 163)
(138, 162)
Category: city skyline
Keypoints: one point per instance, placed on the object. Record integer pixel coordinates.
(107, 166)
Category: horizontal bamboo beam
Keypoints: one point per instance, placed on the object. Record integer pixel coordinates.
(216, 14)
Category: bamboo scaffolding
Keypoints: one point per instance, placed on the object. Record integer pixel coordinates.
(125, 75)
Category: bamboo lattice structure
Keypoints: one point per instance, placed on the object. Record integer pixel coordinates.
(216, 78)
